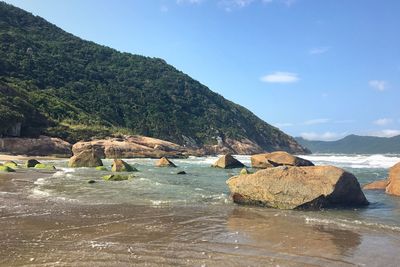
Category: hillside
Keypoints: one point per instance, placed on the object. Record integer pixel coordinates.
(57, 84)
(354, 144)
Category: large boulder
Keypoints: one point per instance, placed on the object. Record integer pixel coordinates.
(393, 187)
(164, 162)
(298, 188)
(121, 166)
(277, 158)
(227, 162)
(376, 185)
(86, 158)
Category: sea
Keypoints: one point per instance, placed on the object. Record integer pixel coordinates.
(160, 218)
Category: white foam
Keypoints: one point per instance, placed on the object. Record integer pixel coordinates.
(355, 161)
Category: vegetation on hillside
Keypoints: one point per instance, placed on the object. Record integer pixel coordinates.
(64, 86)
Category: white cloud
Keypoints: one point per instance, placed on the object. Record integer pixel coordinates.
(327, 136)
(344, 121)
(229, 5)
(319, 50)
(386, 133)
(379, 85)
(280, 77)
(383, 121)
(316, 121)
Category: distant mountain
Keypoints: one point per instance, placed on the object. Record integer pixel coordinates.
(57, 84)
(354, 144)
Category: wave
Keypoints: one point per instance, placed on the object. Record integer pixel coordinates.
(355, 161)
(352, 224)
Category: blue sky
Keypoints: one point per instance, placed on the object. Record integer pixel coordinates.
(320, 69)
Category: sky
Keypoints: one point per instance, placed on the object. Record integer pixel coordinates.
(320, 69)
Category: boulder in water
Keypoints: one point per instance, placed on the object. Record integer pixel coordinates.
(10, 164)
(121, 166)
(376, 185)
(165, 162)
(30, 163)
(117, 177)
(298, 188)
(277, 158)
(393, 187)
(6, 169)
(227, 162)
(85, 158)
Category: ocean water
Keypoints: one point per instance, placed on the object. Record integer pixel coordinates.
(160, 218)
(203, 186)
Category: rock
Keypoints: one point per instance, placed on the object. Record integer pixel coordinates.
(278, 158)
(393, 187)
(181, 172)
(376, 185)
(164, 162)
(10, 164)
(6, 169)
(134, 146)
(30, 163)
(117, 177)
(86, 158)
(228, 162)
(44, 166)
(91, 181)
(121, 166)
(42, 146)
(245, 171)
(101, 168)
(298, 188)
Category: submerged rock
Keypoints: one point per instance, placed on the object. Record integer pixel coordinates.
(298, 188)
(393, 187)
(227, 162)
(118, 177)
(121, 166)
(245, 171)
(91, 181)
(181, 172)
(376, 185)
(277, 158)
(10, 164)
(6, 169)
(44, 166)
(30, 163)
(86, 158)
(164, 162)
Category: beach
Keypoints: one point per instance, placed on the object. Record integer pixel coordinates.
(45, 222)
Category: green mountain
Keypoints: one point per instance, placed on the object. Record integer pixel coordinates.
(354, 144)
(57, 84)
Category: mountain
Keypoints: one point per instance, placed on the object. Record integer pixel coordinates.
(354, 144)
(54, 83)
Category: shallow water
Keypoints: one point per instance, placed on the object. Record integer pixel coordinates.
(161, 218)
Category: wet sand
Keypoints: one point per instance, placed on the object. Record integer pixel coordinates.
(40, 232)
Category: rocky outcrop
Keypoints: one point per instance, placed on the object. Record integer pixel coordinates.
(393, 187)
(278, 158)
(121, 166)
(132, 147)
(86, 158)
(376, 185)
(298, 188)
(164, 162)
(42, 146)
(232, 146)
(228, 162)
